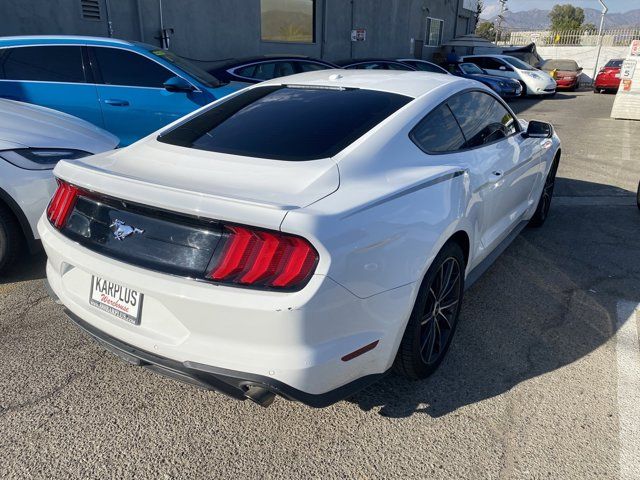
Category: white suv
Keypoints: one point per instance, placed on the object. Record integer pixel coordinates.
(533, 81)
(32, 140)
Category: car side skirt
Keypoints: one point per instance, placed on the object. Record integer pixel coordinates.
(484, 265)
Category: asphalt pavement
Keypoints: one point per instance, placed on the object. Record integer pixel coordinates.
(540, 381)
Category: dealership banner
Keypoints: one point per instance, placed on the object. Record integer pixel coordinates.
(627, 102)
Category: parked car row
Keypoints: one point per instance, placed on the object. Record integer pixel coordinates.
(506, 75)
(264, 245)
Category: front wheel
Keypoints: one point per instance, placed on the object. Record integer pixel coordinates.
(434, 317)
(524, 89)
(542, 212)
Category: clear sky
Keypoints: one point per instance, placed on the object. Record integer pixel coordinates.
(491, 7)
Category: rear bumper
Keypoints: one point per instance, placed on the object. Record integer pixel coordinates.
(608, 83)
(291, 344)
(238, 385)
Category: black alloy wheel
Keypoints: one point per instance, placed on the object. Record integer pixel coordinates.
(434, 317)
(542, 212)
(440, 313)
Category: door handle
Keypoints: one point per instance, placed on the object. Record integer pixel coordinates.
(116, 102)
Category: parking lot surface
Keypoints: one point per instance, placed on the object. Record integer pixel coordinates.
(540, 382)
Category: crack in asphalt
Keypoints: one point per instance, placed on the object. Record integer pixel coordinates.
(18, 317)
(4, 410)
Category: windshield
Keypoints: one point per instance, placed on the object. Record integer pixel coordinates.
(567, 65)
(196, 72)
(514, 62)
(470, 68)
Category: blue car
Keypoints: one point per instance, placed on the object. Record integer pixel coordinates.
(130, 89)
(505, 87)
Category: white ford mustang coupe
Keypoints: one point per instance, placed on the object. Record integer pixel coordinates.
(301, 237)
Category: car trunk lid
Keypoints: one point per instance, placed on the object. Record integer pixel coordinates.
(204, 184)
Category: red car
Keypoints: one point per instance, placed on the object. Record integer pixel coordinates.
(566, 73)
(608, 78)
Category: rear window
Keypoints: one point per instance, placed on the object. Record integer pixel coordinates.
(614, 63)
(567, 65)
(286, 122)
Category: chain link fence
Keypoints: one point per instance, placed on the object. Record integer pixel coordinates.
(610, 38)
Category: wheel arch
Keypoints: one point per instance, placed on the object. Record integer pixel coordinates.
(12, 206)
(461, 237)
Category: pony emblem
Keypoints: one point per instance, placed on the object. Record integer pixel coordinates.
(121, 230)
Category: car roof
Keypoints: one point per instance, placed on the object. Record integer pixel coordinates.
(494, 55)
(354, 61)
(238, 62)
(415, 60)
(62, 39)
(408, 83)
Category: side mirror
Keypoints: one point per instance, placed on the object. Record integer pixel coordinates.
(177, 84)
(537, 129)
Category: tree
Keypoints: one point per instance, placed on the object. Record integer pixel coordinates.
(589, 28)
(566, 17)
(479, 10)
(486, 30)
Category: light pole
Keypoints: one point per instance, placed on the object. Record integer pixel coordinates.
(503, 7)
(595, 67)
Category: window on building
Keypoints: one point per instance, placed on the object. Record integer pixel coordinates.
(288, 20)
(44, 64)
(434, 32)
(120, 67)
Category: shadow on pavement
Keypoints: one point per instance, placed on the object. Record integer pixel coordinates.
(27, 267)
(521, 104)
(548, 301)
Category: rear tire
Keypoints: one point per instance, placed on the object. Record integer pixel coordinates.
(434, 316)
(10, 239)
(544, 204)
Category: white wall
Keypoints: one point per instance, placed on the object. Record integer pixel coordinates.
(585, 56)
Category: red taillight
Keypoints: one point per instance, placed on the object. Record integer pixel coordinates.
(62, 204)
(265, 259)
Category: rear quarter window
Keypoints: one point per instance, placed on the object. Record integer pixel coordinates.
(287, 122)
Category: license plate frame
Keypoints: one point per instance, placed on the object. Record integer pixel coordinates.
(117, 300)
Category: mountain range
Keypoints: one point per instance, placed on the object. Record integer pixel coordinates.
(539, 19)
